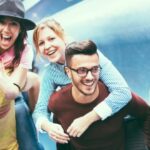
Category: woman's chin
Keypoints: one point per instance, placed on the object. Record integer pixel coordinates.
(53, 60)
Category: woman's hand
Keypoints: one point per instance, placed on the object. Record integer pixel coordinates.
(56, 132)
(81, 124)
(6, 85)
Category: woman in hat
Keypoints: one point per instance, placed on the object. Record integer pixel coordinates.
(50, 41)
(16, 58)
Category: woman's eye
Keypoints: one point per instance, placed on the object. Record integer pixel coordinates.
(41, 43)
(15, 23)
(51, 39)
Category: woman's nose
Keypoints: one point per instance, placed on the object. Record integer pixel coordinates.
(47, 45)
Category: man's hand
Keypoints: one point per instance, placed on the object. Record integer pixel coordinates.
(80, 125)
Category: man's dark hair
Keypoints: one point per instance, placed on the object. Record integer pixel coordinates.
(86, 47)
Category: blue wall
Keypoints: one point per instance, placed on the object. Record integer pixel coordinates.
(121, 30)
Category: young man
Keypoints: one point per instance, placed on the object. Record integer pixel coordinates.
(80, 97)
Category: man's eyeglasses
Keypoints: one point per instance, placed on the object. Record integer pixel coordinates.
(82, 71)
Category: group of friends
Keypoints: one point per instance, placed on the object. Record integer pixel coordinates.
(87, 95)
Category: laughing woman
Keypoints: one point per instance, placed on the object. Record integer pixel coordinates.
(15, 60)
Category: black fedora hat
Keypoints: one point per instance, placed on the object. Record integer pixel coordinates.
(15, 9)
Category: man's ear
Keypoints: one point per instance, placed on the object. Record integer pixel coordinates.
(67, 71)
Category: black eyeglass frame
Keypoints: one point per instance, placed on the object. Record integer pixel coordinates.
(86, 70)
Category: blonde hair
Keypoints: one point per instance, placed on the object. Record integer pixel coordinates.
(53, 25)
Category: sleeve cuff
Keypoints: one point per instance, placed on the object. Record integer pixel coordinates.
(103, 110)
(39, 124)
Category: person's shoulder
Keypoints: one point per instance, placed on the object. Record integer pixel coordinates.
(62, 93)
(27, 46)
(59, 98)
(27, 50)
(49, 67)
(102, 86)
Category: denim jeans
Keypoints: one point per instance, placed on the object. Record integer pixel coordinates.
(26, 131)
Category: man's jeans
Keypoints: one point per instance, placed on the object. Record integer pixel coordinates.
(26, 131)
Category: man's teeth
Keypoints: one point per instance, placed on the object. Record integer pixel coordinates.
(88, 83)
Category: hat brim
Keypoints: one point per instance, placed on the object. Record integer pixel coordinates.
(28, 24)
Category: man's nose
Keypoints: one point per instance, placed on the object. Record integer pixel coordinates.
(89, 75)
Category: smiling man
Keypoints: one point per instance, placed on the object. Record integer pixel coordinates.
(80, 97)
